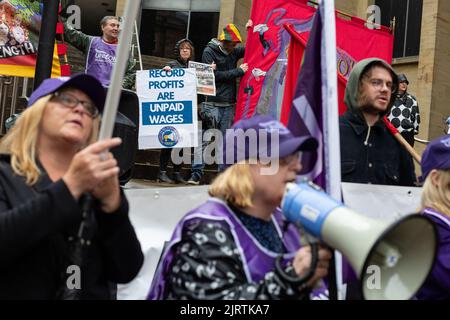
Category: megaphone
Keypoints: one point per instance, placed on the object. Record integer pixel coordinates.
(401, 252)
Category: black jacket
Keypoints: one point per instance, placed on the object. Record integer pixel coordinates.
(226, 72)
(176, 64)
(381, 161)
(35, 223)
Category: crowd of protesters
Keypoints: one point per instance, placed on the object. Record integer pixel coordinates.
(61, 204)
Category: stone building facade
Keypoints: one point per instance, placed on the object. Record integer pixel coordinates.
(428, 71)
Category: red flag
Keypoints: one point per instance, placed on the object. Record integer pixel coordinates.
(295, 54)
(266, 54)
(273, 59)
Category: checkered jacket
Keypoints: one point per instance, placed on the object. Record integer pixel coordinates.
(404, 113)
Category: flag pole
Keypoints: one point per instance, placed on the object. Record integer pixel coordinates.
(115, 87)
(46, 45)
(393, 130)
(331, 135)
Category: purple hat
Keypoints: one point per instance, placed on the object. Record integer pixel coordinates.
(82, 81)
(436, 156)
(262, 137)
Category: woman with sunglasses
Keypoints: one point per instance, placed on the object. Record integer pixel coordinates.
(49, 161)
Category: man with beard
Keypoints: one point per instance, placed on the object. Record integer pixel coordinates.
(369, 152)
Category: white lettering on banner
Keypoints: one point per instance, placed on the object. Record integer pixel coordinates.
(164, 107)
(171, 84)
(158, 73)
(18, 50)
(169, 119)
(168, 108)
(104, 56)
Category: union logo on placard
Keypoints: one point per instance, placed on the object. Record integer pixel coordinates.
(168, 136)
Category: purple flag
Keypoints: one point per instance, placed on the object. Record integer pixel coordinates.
(314, 112)
(315, 107)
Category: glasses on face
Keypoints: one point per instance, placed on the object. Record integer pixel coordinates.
(379, 84)
(71, 101)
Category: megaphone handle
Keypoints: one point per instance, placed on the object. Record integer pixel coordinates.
(299, 281)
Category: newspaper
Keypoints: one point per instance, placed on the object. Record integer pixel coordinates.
(206, 84)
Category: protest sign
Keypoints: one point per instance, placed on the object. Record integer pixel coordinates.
(167, 108)
(206, 83)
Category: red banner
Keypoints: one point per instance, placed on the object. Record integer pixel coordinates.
(267, 87)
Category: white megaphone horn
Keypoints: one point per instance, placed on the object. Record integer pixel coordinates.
(402, 251)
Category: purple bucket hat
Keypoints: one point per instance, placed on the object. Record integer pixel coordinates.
(262, 137)
(84, 82)
(436, 156)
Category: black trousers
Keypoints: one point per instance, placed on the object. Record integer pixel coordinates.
(164, 159)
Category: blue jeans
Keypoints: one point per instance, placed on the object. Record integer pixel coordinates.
(217, 117)
(198, 165)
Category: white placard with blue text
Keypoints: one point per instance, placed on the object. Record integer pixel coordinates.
(167, 108)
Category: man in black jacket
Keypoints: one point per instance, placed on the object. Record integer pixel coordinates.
(369, 152)
(224, 53)
(217, 112)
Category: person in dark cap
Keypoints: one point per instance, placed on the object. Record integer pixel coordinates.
(227, 247)
(404, 114)
(436, 205)
(52, 247)
(184, 52)
(369, 152)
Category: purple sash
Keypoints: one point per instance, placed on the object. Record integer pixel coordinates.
(256, 259)
(433, 213)
(437, 285)
(100, 60)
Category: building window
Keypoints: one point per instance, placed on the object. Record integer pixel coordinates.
(160, 30)
(408, 20)
(164, 23)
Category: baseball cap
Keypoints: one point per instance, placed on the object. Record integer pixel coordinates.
(252, 139)
(82, 81)
(436, 156)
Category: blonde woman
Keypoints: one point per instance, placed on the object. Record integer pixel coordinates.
(436, 205)
(49, 159)
(227, 247)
